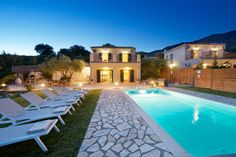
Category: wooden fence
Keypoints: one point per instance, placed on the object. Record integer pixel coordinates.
(218, 79)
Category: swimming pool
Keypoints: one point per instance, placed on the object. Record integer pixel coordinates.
(201, 127)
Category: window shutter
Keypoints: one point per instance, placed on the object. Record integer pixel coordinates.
(120, 57)
(129, 57)
(100, 56)
(131, 76)
(121, 75)
(98, 76)
(110, 57)
(111, 75)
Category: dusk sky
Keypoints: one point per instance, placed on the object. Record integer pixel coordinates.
(147, 25)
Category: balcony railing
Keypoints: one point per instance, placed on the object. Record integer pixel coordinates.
(117, 59)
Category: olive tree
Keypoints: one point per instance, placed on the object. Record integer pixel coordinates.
(150, 68)
(62, 65)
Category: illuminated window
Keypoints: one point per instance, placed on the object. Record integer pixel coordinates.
(126, 76)
(105, 57)
(195, 54)
(106, 75)
(125, 57)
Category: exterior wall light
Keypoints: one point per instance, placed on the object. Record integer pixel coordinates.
(204, 66)
(80, 84)
(172, 66)
(3, 85)
(42, 85)
(116, 83)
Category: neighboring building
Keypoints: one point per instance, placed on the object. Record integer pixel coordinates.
(190, 54)
(114, 64)
(33, 74)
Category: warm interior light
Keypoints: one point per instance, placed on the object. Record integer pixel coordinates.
(196, 48)
(3, 85)
(42, 85)
(105, 68)
(127, 68)
(80, 84)
(214, 49)
(116, 83)
(152, 82)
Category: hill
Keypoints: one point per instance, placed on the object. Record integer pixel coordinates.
(228, 38)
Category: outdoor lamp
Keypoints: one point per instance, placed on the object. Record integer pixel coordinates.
(80, 84)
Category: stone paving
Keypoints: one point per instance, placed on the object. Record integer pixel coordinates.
(117, 129)
(217, 98)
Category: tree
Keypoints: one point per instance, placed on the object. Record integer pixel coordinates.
(63, 65)
(49, 67)
(75, 52)
(200, 65)
(65, 52)
(108, 45)
(150, 68)
(45, 52)
(214, 63)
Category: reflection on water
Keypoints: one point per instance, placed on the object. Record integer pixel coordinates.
(195, 114)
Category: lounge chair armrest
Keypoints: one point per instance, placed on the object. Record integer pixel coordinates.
(5, 121)
(31, 107)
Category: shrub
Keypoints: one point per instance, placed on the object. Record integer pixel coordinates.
(29, 87)
(8, 79)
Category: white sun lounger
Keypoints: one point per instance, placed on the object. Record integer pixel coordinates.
(16, 114)
(53, 96)
(81, 91)
(39, 102)
(65, 91)
(32, 131)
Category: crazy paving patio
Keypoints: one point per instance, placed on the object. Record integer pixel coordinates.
(117, 129)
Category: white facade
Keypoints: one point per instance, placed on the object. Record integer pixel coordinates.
(189, 55)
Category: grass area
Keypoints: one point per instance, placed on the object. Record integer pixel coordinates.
(42, 95)
(65, 143)
(20, 100)
(209, 91)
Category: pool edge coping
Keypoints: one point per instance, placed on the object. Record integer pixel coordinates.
(170, 143)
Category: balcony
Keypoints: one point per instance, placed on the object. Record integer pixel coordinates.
(114, 58)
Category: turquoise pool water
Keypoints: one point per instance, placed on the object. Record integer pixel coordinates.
(200, 126)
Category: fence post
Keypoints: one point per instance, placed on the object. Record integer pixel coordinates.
(211, 78)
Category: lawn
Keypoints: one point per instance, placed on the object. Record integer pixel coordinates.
(209, 91)
(65, 143)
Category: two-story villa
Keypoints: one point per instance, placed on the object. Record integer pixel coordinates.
(190, 54)
(114, 64)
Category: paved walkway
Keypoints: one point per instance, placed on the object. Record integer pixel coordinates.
(117, 129)
(217, 98)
